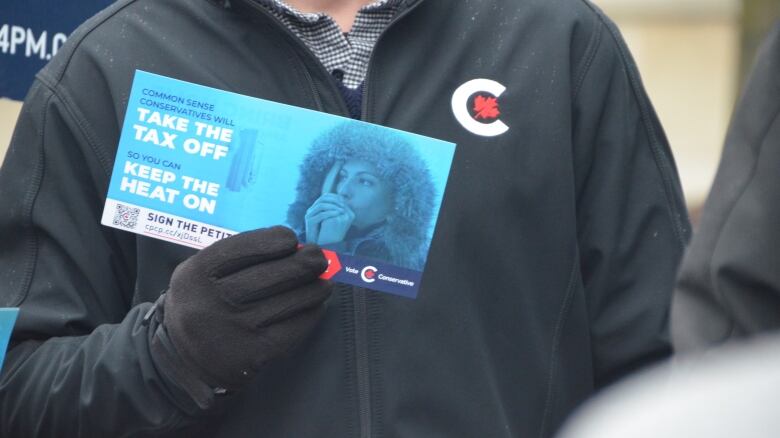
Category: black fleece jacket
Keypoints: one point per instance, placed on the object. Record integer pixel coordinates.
(549, 275)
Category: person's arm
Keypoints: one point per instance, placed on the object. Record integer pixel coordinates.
(632, 222)
(79, 361)
(729, 284)
(83, 361)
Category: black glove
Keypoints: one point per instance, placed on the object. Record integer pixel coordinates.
(237, 304)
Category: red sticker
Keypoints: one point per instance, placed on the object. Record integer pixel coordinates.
(334, 265)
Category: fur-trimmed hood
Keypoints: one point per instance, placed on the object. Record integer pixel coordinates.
(408, 228)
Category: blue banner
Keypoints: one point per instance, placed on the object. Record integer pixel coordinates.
(7, 320)
(31, 33)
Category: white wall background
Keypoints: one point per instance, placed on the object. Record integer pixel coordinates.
(688, 55)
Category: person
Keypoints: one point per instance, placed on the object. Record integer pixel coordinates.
(549, 274)
(723, 380)
(729, 284)
(719, 393)
(365, 192)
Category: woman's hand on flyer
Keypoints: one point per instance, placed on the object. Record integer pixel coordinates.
(334, 229)
(328, 219)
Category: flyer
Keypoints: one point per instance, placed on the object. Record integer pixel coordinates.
(196, 164)
(7, 320)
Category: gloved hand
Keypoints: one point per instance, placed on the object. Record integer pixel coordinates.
(239, 303)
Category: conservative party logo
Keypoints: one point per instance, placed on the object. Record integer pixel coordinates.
(475, 106)
(393, 279)
(368, 274)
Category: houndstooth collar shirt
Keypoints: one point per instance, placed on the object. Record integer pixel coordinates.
(343, 55)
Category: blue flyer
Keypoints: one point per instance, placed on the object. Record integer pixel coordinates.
(196, 164)
(7, 320)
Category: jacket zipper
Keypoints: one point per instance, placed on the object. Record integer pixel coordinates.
(359, 298)
(361, 361)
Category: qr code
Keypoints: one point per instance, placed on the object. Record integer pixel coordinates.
(126, 217)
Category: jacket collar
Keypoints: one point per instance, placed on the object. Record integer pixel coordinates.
(229, 4)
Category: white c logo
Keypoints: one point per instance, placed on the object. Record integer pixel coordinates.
(367, 274)
(460, 100)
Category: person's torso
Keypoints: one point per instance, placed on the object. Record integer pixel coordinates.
(479, 352)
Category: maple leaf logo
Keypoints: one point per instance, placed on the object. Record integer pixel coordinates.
(486, 108)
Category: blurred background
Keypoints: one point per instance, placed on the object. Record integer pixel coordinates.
(693, 56)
